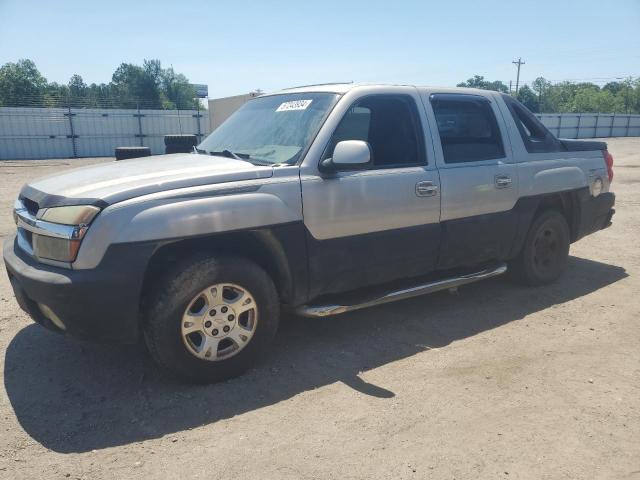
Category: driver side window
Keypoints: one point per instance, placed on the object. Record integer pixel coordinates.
(390, 124)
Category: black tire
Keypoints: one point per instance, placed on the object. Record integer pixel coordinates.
(544, 255)
(178, 149)
(189, 140)
(124, 153)
(174, 292)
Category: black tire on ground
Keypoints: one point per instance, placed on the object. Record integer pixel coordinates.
(174, 293)
(178, 149)
(123, 153)
(544, 255)
(186, 139)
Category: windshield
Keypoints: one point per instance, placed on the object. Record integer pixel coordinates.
(272, 129)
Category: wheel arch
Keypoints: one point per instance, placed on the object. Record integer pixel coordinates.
(260, 246)
(567, 203)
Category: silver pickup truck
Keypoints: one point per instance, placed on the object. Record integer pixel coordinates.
(318, 200)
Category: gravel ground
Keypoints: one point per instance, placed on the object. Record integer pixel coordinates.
(499, 381)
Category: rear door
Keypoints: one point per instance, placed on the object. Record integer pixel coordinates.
(478, 176)
(375, 225)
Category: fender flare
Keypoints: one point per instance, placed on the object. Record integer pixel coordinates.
(164, 220)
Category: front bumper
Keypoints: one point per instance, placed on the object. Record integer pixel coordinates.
(101, 304)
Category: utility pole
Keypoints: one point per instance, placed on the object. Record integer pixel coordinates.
(518, 63)
(627, 85)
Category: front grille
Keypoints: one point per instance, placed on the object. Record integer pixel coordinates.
(28, 236)
(25, 241)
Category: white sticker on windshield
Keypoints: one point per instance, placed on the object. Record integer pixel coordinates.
(294, 105)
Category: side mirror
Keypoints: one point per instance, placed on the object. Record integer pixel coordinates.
(348, 155)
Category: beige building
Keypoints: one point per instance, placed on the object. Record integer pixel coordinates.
(221, 108)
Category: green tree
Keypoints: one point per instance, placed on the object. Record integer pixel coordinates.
(478, 81)
(77, 86)
(151, 86)
(542, 88)
(628, 94)
(56, 95)
(528, 98)
(21, 83)
(540, 84)
(613, 87)
(77, 91)
(176, 90)
(596, 100)
(146, 86)
(544, 96)
(101, 96)
(135, 85)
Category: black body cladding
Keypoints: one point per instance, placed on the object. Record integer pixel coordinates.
(347, 263)
(100, 304)
(103, 304)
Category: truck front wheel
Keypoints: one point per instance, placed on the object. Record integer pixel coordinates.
(544, 254)
(208, 319)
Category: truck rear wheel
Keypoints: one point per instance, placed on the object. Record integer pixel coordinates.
(210, 318)
(543, 257)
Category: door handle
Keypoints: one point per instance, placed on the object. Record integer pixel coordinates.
(426, 189)
(502, 181)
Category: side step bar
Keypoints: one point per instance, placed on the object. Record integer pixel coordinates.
(435, 286)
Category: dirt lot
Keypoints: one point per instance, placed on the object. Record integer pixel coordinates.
(500, 381)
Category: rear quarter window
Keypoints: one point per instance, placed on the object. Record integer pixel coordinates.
(535, 136)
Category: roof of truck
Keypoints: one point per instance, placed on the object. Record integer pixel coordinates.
(343, 87)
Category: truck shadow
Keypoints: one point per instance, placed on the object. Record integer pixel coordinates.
(75, 397)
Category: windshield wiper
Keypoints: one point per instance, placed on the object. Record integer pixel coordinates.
(230, 154)
(245, 157)
(199, 150)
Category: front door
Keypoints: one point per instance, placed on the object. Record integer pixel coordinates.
(375, 225)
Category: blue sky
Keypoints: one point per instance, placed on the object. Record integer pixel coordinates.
(238, 46)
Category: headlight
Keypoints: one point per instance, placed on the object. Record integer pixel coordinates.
(61, 231)
(53, 233)
(72, 215)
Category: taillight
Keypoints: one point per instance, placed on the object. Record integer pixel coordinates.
(608, 159)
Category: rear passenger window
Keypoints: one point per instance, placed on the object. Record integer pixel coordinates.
(468, 128)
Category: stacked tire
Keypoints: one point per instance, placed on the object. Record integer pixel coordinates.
(124, 153)
(180, 143)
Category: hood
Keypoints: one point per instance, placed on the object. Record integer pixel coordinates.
(114, 182)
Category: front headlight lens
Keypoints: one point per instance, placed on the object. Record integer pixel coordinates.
(64, 242)
(72, 215)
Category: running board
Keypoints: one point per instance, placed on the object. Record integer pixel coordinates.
(435, 286)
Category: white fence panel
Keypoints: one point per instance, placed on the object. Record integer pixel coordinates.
(86, 132)
(101, 131)
(37, 130)
(158, 123)
(590, 125)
